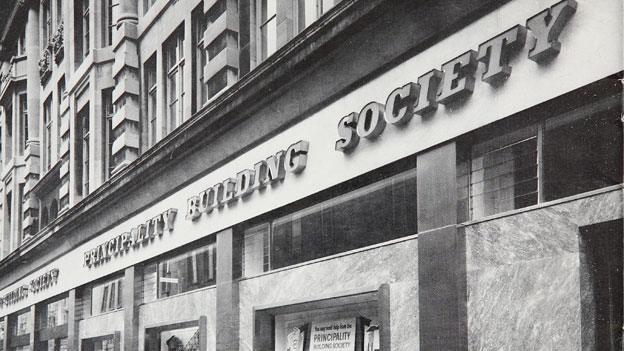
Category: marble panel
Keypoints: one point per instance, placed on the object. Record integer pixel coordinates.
(394, 264)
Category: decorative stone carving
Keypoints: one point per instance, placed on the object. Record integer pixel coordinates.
(45, 66)
(58, 44)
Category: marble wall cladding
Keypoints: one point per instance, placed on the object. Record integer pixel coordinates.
(180, 308)
(394, 264)
(523, 275)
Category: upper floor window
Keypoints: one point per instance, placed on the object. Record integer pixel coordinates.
(199, 56)
(379, 210)
(311, 10)
(59, 12)
(147, 4)
(23, 116)
(81, 30)
(301, 13)
(107, 296)
(184, 272)
(574, 152)
(151, 98)
(268, 27)
(108, 24)
(108, 137)
(174, 68)
(47, 121)
(82, 151)
(21, 43)
(46, 30)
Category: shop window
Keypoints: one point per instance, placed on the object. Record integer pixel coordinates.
(342, 323)
(107, 296)
(374, 213)
(179, 337)
(58, 344)
(174, 70)
(54, 314)
(577, 151)
(102, 343)
(21, 324)
(188, 271)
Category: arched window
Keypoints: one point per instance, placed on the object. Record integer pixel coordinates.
(53, 209)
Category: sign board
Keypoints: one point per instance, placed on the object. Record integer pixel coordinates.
(336, 335)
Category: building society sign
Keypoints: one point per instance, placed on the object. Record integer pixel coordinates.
(336, 335)
(36, 285)
(456, 79)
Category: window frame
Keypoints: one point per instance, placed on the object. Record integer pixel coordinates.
(174, 75)
(547, 120)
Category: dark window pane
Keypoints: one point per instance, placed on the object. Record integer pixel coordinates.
(583, 150)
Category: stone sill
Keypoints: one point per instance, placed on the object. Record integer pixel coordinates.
(542, 205)
(335, 256)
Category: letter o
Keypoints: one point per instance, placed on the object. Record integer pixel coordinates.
(371, 122)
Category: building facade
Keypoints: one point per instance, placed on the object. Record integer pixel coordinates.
(300, 175)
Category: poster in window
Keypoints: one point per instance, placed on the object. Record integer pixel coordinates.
(337, 335)
(371, 338)
(295, 338)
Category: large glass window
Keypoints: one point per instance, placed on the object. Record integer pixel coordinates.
(104, 343)
(180, 336)
(574, 152)
(21, 324)
(58, 344)
(374, 213)
(184, 272)
(54, 314)
(107, 296)
(2, 334)
(174, 57)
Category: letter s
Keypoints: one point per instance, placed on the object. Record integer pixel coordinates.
(346, 130)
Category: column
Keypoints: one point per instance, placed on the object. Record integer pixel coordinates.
(32, 152)
(126, 91)
(227, 295)
(72, 322)
(130, 300)
(441, 253)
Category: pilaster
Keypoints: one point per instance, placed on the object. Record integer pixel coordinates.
(225, 63)
(126, 125)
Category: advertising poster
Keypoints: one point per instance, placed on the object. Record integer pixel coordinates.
(296, 338)
(336, 335)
